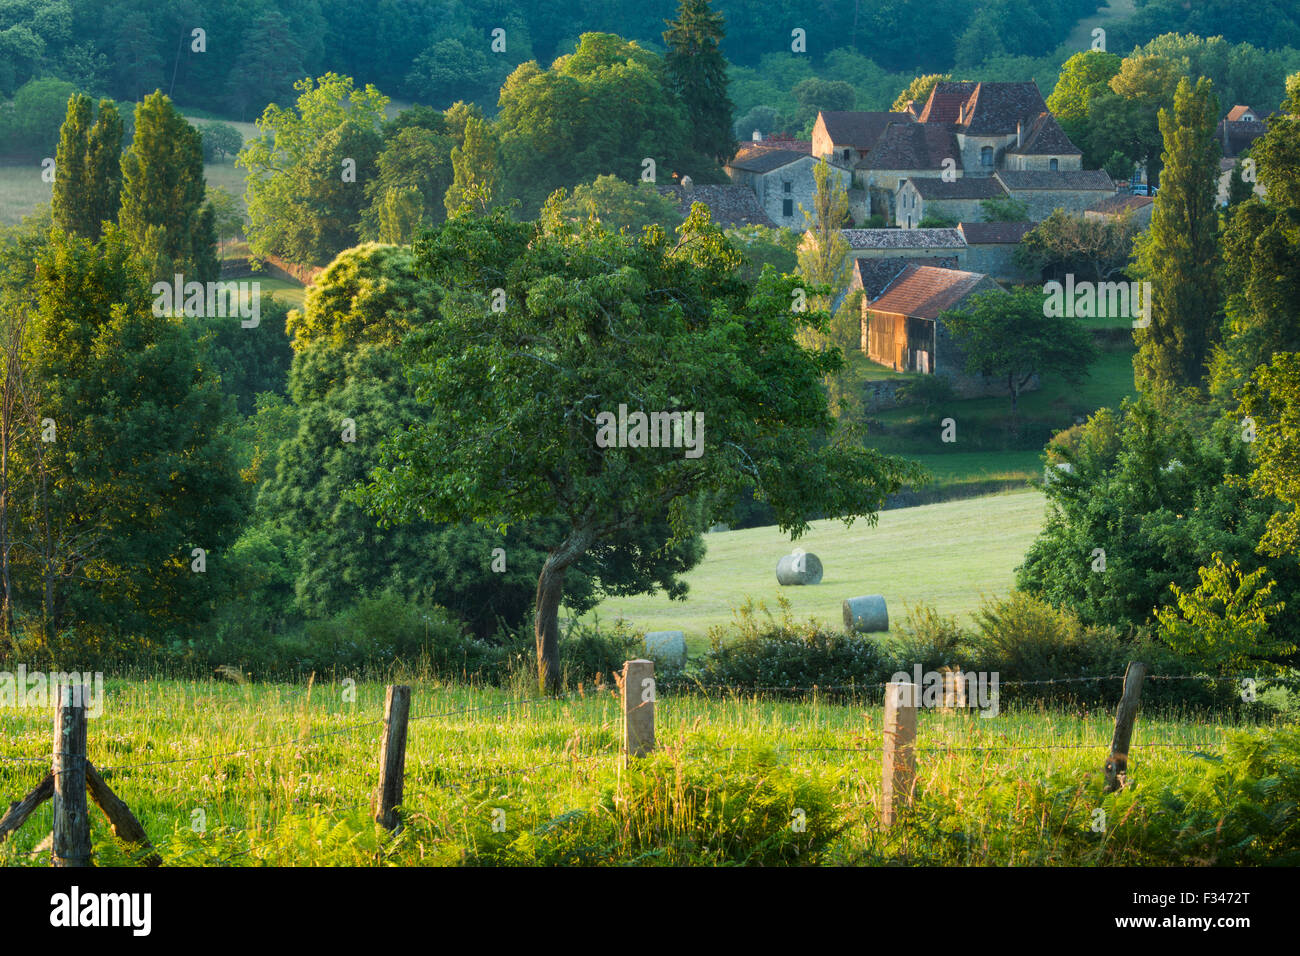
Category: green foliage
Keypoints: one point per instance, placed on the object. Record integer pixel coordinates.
(1224, 622)
(824, 254)
(761, 650)
(1065, 244)
(250, 361)
(163, 209)
(600, 110)
(918, 91)
(589, 314)
(476, 178)
(1271, 402)
(697, 74)
(414, 158)
(219, 141)
(928, 391)
(30, 122)
(303, 202)
(1007, 336)
(1160, 487)
(1004, 210)
(618, 205)
(140, 471)
(1179, 254)
(1084, 76)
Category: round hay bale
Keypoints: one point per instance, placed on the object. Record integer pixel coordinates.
(668, 647)
(799, 568)
(866, 614)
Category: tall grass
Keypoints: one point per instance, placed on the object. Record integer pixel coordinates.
(492, 781)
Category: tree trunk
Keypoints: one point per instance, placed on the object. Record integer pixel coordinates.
(550, 592)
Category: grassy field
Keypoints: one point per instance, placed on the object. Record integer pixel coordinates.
(21, 191)
(947, 555)
(283, 774)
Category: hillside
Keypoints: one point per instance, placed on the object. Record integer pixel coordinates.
(948, 555)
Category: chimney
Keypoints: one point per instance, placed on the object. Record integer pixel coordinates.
(758, 136)
(1020, 133)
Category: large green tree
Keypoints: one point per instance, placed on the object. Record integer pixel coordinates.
(697, 72)
(603, 109)
(1179, 254)
(597, 325)
(1007, 336)
(307, 172)
(124, 459)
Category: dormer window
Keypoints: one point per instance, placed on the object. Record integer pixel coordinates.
(986, 157)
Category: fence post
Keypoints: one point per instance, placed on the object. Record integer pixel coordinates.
(638, 708)
(71, 843)
(1117, 763)
(899, 760)
(392, 756)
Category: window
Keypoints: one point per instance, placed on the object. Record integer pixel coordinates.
(986, 156)
(1053, 165)
(787, 187)
(846, 155)
(787, 208)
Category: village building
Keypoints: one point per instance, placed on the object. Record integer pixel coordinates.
(729, 205)
(845, 137)
(1043, 191)
(1236, 132)
(905, 151)
(902, 329)
(921, 199)
(781, 179)
(904, 244)
(991, 249)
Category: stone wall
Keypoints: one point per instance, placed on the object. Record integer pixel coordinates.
(1043, 202)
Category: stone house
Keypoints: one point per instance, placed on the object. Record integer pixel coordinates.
(954, 201)
(729, 205)
(905, 151)
(845, 137)
(782, 180)
(1044, 191)
(902, 329)
(1236, 132)
(991, 249)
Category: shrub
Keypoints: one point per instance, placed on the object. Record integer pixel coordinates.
(763, 651)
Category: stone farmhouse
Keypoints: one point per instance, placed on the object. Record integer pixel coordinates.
(921, 199)
(1113, 207)
(729, 205)
(779, 173)
(1044, 191)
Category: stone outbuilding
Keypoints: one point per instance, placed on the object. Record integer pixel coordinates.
(1043, 192)
(954, 201)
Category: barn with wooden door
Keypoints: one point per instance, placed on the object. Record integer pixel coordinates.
(901, 326)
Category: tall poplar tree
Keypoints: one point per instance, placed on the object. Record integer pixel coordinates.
(697, 72)
(70, 203)
(104, 167)
(1180, 253)
(163, 193)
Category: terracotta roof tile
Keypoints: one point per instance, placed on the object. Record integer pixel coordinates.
(925, 291)
(857, 128)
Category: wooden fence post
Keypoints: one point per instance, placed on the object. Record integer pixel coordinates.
(899, 760)
(392, 756)
(126, 827)
(638, 708)
(71, 844)
(1117, 763)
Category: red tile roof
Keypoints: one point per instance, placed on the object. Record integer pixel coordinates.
(925, 291)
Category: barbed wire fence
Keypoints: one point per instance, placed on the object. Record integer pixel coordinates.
(633, 712)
